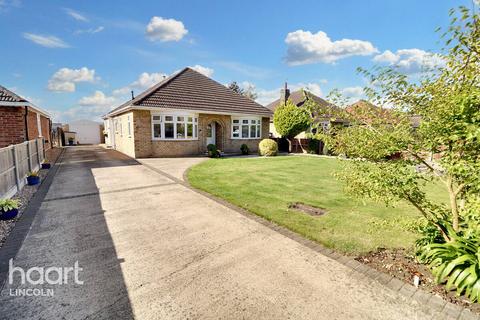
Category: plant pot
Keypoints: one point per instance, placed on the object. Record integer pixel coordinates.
(46, 165)
(33, 180)
(70, 143)
(7, 215)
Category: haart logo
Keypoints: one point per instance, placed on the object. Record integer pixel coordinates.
(41, 276)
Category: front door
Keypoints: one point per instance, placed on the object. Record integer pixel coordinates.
(211, 133)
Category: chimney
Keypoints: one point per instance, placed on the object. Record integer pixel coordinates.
(284, 94)
(133, 97)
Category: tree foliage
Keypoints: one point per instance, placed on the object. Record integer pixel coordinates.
(290, 120)
(248, 92)
(393, 159)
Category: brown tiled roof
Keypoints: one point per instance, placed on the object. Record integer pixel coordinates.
(8, 96)
(299, 97)
(191, 90)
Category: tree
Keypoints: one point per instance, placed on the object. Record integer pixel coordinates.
(248, 92)
(235, 87)
(290, 120)
(392, 160)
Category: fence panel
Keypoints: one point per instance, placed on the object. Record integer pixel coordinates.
(22, 159)
(8, 183)
(15, 163)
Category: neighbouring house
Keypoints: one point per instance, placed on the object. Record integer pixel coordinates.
(183, 114)
(21, 120)
(86, 131)
(299, 98)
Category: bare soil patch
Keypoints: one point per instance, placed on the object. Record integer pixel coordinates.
(24, 196)
(310, 210)
(400, 263)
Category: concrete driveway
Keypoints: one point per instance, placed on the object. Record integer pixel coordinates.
(151, 248)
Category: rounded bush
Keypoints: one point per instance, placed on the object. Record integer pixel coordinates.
(268, 148)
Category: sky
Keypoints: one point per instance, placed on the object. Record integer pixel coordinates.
(79, 59)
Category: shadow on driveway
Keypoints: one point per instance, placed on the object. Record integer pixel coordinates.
(69, 227)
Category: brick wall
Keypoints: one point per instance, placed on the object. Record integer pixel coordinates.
(146, 147)
(12, 124)
(32, 124)
(46, 131)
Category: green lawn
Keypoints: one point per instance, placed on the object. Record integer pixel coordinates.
(266, 186)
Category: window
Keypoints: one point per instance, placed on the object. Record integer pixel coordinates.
(157, 127)
(128, 124)
(182, 127)
(246, 128)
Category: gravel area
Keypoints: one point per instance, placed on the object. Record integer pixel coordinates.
(401, 264)
(25, 195)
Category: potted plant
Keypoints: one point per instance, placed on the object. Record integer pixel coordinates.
(33, 178)
(8, 209)
(46, 164)
(70, 141)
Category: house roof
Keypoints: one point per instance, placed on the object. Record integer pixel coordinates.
(8, 96)
(11, 99)
(191, 90)
(299, 97)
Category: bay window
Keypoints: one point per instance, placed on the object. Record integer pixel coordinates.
(246, 128)
(174, 127)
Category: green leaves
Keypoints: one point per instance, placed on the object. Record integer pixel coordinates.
(457, 263)
(8, 204)
(290, 120)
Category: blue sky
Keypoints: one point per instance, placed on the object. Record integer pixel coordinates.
(78, 59)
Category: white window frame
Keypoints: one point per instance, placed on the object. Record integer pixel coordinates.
(175, 120)
(252, 121)
(39, 125)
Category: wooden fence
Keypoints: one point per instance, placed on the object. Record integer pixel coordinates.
(16, 161)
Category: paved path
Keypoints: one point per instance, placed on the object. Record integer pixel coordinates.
(151, 248)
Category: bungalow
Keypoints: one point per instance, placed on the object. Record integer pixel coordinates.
(299, 98)
(183, 114)
(20, 120)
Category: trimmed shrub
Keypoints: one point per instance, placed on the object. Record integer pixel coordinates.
(213, 152)
(244, 149)
(313, 145)
(268, 148)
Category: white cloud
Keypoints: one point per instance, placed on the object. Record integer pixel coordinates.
(305, 48)
(353, 94)
(97, 99)
(160, 29)
(90, 30)
(144, 81)
(76, 15)
(410, 60)
(47, 41)
(94, 113)
(203, 70)
(64, 79)
(91, 107)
